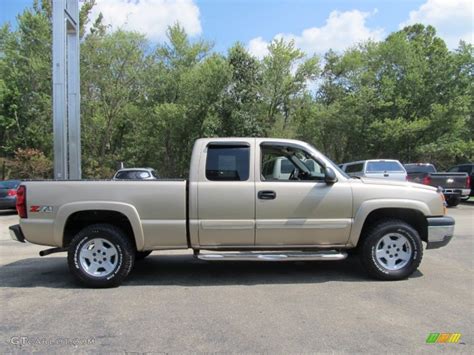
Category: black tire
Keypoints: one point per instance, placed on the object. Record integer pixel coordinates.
(453, 201)
(125, 254)
(377, 269)
(139, 255)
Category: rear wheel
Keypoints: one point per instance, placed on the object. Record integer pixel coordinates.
(101, 255)
(392, 250)
(453, 201)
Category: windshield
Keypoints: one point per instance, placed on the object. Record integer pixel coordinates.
(335, 166)
(376, 166)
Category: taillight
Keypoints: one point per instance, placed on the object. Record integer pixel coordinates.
(11, 192)
(468, 182)
(426, 180)
(21, 201)
(443, 201)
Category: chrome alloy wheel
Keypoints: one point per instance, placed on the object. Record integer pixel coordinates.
(393, 251)
(98, 257)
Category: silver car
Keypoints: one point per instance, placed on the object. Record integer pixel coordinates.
(136, 174)
(376, 168)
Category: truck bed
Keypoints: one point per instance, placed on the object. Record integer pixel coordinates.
(158, 205)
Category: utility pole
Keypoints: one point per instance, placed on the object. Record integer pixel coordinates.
(66, 90)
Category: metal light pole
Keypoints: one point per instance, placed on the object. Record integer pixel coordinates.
(66, 90)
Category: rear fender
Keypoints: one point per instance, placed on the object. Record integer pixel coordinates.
(126, 209)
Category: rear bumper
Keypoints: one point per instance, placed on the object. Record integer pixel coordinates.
(16, 233)
(456, 192)
(440, 231)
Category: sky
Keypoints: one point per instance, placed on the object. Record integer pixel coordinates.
(314, 25)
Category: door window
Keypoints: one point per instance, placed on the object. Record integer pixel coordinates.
(284, 163)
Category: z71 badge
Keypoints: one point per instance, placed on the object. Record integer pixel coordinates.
(43, 209)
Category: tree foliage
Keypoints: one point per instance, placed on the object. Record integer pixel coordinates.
(407, 97)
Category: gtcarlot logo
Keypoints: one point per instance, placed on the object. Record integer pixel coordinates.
(54, 341)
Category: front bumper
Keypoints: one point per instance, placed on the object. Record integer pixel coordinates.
(440, 231)
(16, 233)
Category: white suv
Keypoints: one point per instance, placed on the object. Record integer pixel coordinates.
(376, 168)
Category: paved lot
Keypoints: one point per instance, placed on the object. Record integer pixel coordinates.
(173, 303)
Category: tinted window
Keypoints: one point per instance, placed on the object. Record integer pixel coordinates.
(454, 169)
(465, 169)
(354, 168)
(373, 166)
(227, 163)
(415, 168)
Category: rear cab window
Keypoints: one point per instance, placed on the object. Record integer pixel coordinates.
(465, 169)
(415, 168)
(354, 168)
(228, 162)
(382, 166)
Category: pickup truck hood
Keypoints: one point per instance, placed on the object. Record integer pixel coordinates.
(396, 183)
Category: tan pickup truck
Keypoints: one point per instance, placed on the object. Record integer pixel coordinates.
(246, 199)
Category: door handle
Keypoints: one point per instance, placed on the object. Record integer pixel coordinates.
(267, 195)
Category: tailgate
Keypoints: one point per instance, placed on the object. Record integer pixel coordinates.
(449, 180)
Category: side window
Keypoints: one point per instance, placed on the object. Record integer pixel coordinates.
(227, 163)
(355, 168)
(280, 163)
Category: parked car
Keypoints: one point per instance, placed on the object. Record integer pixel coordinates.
(467, 168)
(455, 185)
(136, 174)
(8, 194)
(376, 168)
(232, 210)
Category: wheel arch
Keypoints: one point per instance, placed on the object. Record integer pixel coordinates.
(411, 212)
(75, 216)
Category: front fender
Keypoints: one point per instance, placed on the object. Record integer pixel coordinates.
(129, 211)
(371, 205)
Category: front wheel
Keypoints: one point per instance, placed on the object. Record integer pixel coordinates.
(392, 250)
(101, 255)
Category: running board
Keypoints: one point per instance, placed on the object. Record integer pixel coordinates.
(275, 256)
